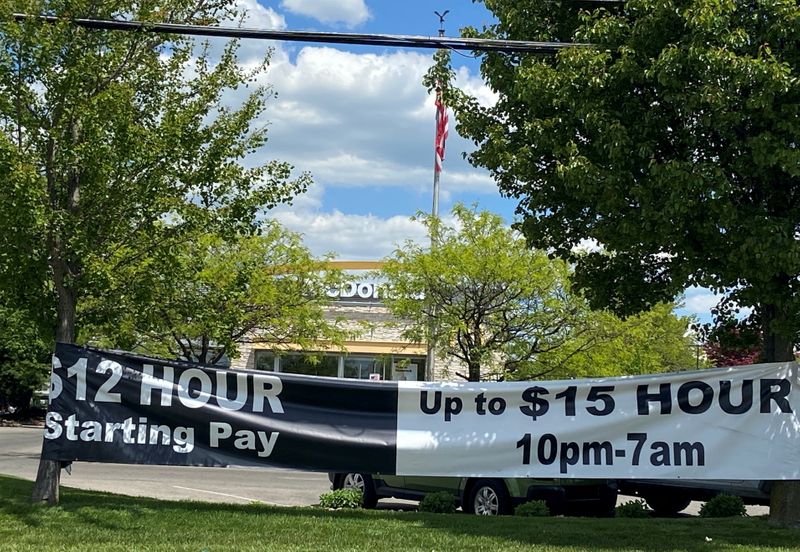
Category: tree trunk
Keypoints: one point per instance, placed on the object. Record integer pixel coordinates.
(48, 476)
(474, 371)
(778, 347)
(784, 506)
(45, 489)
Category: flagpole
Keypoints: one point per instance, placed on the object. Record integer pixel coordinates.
(437, 167)
(435, 207)
(430, 360)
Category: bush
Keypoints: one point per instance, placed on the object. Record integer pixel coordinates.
(19, 380)
(723, 506)
(22, 351)
(632, 509)
(342, 499)
(534, 508)
(440, 502)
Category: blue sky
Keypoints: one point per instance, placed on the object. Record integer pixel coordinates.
(360, 121)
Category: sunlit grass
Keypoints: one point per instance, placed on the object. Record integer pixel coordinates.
(88, 520)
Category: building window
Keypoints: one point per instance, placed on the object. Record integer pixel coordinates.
(326, 365)
(408, 368)
(387, 367)
(362, 367)
(265, 360)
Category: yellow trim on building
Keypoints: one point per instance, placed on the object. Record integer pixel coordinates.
(357, 265)
(385, 348)
(354, 348)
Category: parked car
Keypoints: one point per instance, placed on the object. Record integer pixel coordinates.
(488, 496)
(667, 497)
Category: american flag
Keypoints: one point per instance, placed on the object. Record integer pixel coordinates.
(441, 132)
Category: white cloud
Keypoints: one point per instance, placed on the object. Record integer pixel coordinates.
(348, 170)
(473, 181)
(251, 15)
(363, 120)
(331, 12)
(351, 170)
(259, 16)
(356, 121)
(365, 76)
(350, 237)
(587, 245)
(475, 87)
(700, 300)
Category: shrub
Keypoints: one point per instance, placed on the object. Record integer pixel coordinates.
(440, 502)
(342, 499)
(534, 508)
(632, 509)
(22, 348)
(723, 505)
(19, 379)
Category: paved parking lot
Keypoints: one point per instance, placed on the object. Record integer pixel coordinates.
(19, 456)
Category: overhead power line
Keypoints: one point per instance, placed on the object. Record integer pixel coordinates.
(472, 44)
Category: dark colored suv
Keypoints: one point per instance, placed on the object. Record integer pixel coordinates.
(668, 497)
(489, 496)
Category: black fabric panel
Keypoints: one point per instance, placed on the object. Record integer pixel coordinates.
(328, 424)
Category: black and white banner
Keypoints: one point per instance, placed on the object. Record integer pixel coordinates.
(119, 407)
(728, 423)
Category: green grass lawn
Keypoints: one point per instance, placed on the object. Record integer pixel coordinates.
(88, 520)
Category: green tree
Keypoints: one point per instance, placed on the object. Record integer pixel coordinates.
(26, 300)
(648, 343)
(496, 303)
(124, 145)
(23, 358)
(204, 297)
(673, 143)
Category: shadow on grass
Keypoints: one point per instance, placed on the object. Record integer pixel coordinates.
(122, 515)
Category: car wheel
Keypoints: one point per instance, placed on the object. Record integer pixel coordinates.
(489, 497)
(667, 504)
(362, 482)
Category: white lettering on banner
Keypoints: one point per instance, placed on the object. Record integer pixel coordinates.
(128, 432)
(264, 388)
(730, 423)
(114, 369)
(244, 438)
(222, 391)
(56, 385)
(163, 384)
(268, 387)
(202, 396)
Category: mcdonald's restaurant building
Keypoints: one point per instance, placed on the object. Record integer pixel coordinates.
(378, 352)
